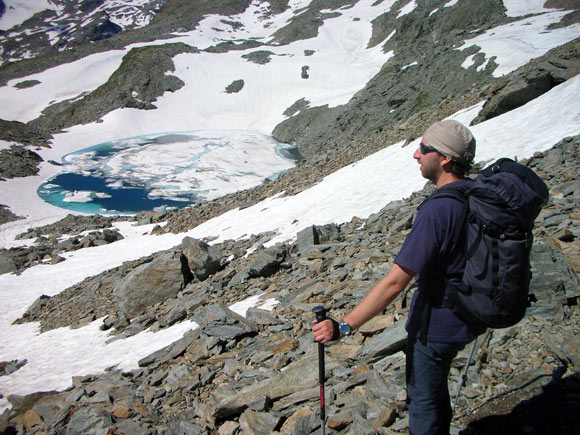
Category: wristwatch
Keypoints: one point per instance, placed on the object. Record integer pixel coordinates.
(344, 328)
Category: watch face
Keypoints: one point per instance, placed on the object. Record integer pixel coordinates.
(345, 328)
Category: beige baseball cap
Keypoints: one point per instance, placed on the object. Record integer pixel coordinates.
(452, 139)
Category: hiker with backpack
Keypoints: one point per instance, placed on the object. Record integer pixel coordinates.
(435, 252)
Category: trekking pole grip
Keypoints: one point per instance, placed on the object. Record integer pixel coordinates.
(320, 313)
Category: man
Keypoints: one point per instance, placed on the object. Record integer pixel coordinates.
(435, 333)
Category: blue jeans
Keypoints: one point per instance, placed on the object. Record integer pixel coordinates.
(427, 391)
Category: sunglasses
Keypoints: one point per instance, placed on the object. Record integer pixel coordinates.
(426, 149)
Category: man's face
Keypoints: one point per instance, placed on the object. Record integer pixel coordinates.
(430, 162)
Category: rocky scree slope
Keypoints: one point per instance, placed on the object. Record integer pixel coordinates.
(257, 374)
(69, 234)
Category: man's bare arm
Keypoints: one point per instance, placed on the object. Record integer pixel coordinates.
(381, 295)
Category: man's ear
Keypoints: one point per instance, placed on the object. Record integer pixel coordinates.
(445, 162)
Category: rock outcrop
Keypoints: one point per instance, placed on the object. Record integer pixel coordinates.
(18, 162)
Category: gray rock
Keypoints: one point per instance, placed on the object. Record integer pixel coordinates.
(221, 322)
(389, 341)
(203, 260)
(182, 427)
(549, 282)
(174, 316)
(229, 428)
(362, 424)
(98, 397)
(262, 403)
(89, 421)
(555, 219)
(176, 373)
(569, 188)
(235, 87)
(265, 264)
(258, 423)
(227, 332)
(261, 317)
(381, 387)
(298, 376)
(6, 263)
(171, 351)
(566, 346)
(150, 283)
(306, 238)
(261, 57)
(7, 368)
(307, 424)
(18, 161)
(131, 427)
(7, 216)
(519, 92)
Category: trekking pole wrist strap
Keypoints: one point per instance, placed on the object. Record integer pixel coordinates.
(335, 329)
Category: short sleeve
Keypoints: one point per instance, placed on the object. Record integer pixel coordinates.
(422, 245)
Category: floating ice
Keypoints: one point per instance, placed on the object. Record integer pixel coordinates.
(166, 170)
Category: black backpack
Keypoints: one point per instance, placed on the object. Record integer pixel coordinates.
(499, 210)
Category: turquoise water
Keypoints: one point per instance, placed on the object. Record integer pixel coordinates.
(125, 200)
(103, 193)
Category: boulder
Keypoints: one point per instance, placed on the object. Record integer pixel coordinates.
(182, 427)
(306, 238)
(203, 260)
(89, 421)
(264, 265)
(267, 263)
(551, 280)
(221, 322)
(6, 263)
(389, 341)
(235, 87)
(18, 161)
(150, 284)
(258, 422)
(171, 351)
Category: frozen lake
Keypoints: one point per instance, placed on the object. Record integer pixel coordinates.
(165, 170)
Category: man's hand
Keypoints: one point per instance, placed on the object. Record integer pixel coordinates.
(325, 331)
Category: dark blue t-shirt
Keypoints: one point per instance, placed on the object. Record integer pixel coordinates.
(429, 252)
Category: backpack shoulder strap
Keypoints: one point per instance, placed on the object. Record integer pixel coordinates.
(460, 193)
(456, 192)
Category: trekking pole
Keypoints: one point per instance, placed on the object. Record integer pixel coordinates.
(464, 374)
(321, 316)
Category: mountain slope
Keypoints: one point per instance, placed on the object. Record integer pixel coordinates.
(353, 84)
